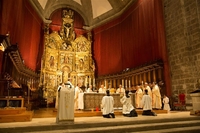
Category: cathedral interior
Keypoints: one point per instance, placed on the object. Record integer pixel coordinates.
(125, 42)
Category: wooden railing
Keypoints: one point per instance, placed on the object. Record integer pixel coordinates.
(129, 77)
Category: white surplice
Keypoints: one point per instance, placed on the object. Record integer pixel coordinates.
(107, 105)
(146, 102)
(66, 104)
(127, 105)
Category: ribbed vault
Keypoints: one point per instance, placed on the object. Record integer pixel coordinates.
(94, 12)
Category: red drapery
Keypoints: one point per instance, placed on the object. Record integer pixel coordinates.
(133, 39)
(23, 25)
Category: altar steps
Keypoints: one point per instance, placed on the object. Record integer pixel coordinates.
(117, 112)
(85, 113)
(15, 115)
(22, 115)
(152, 124)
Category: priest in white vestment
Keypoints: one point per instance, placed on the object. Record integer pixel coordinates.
(66, 103)
(78, 98)
(156, 97)
(138, 98)
(128, 109)
(120, 90)
(90, 89)
(107, 104)
(146, 87)
(102, 89)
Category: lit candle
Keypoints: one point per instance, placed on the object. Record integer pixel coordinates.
(89, 81)
(94, 82)
(86, 81)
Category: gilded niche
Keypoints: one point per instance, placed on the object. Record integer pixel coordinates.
(66, 56)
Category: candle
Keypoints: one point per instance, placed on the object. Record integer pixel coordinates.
(89, 81)
(86, 81)
(94, 82)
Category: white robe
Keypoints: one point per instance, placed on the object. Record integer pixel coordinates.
(120, 91)
(127, 105)
(156, 97)
(78, 98)
(102, 90)
(138, 98)
(166, 104)
(89, 90)
(146, 102)
(66, 104)
(107, 105)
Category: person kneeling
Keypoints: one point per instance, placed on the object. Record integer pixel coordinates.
(128, 109)
(107, 106)
(147, 105)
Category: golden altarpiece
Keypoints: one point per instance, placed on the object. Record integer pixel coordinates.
(66, 56)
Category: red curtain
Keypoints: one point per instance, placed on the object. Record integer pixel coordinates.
(133, 39)
(23, 24)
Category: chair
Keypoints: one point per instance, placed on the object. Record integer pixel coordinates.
(180, 105)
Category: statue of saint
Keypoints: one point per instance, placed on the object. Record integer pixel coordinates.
(51, 62)
(81, 64)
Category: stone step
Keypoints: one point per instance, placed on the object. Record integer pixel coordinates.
(192, 126)
(192, 129)
(111, 126)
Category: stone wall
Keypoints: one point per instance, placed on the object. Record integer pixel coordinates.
(182, 25)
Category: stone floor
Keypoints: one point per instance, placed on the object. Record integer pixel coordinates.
(96, 119)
